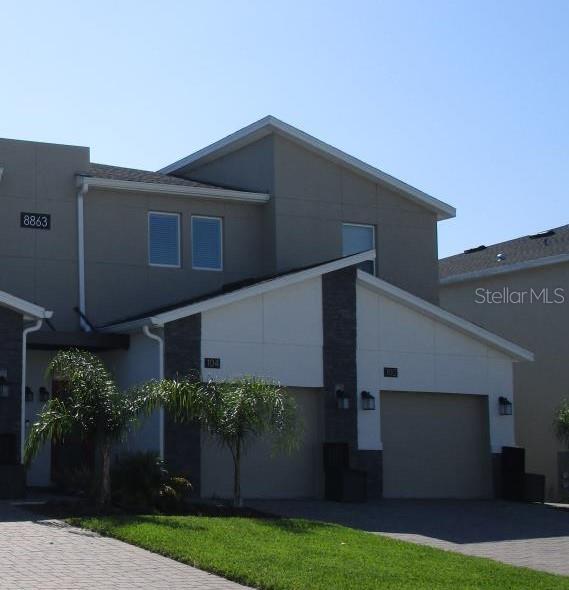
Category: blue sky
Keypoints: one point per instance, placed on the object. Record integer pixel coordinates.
(468, 101)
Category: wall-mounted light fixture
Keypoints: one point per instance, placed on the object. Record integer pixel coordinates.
(1, 172)
(29, 394)
(44, 394)
(4, 386)
(505, 406)
(368, 401)
(342, 398)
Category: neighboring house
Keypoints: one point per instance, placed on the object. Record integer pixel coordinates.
(268, 253)
(520, 290)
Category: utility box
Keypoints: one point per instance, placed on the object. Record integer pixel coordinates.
(563, 471)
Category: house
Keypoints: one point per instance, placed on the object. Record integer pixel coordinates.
(267, 253)
(520, 290)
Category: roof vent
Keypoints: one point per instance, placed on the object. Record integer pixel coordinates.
(500, 256)
(542, 234)
(477, 249)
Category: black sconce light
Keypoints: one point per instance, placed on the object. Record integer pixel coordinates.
(44, 394)
(342, 399)
(505, 406)
(29, 394)
(4, 387)
(368, 401)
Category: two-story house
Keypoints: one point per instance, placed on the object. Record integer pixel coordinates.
(268, 253)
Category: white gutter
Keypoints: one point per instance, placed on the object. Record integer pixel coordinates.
(173, 190)
(83, 188)
(160, 340)
(25, 333)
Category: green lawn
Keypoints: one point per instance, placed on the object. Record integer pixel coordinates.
(292, 554)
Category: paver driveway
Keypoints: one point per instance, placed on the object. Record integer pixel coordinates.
(49, 555)
(527, 535)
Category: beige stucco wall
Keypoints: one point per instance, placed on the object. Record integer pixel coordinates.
(541, 328)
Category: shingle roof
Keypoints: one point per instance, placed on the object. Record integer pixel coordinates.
(541, 245)
(135, 175)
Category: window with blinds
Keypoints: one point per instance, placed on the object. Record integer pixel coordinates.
(207, 243)
(164, 239)
(358, 238)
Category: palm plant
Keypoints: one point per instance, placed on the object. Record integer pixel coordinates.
(235, 412)
(561, 422)
(94, 408)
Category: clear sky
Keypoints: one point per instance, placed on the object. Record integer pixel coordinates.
(466, 100)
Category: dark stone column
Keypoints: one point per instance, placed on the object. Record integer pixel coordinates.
(340, 369)
(182, 441)
(12, 479)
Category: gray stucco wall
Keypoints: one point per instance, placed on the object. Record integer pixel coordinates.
(41, 266)
(11, 326)
(542, 328)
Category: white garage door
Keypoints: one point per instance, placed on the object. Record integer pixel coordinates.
(435, 445)
(268, 475)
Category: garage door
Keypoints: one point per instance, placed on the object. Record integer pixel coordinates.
(265, 475)
(435, 445)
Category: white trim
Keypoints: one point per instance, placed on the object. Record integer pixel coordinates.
(30, 311)
(174, 190)
(507, 268)
(165, 214)
(146, 331)
(25, 333)
(367, 226)
(220, 219)
(416, 303)
(258, 289)
(271, 124)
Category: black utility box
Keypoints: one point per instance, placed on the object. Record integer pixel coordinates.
(534, 487)
(342, 484)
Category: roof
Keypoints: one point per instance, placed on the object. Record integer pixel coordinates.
(136, 175)
(548, 247)
(270, 124)
(438, 314)
(232, 293)
(28, 310)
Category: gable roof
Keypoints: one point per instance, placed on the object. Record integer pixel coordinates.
(540, 249)
(270, 124)
(232, 293)
(449, 319)
(30, 311)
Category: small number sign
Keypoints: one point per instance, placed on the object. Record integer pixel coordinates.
(35, 220)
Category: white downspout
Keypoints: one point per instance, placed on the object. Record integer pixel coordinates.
(160, 341)
(25, 333)
(83, 188)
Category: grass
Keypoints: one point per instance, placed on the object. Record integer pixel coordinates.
(294, 554)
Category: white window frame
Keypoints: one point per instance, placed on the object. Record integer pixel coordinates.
(368, 226)
(165, 214)
(220, 219)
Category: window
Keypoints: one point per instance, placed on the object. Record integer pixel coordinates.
(164, 239)
(359, 238)
(207, 243)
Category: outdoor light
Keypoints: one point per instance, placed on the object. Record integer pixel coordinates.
(368, 401)
(505, 406)
(4, 387)
(44, 394)
(29, 394)
(342, 399)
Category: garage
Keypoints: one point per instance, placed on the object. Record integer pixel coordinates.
(268, 475)
(435, 445)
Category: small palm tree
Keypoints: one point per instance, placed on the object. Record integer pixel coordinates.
(561, 422)
(235, 412)
(94, 408)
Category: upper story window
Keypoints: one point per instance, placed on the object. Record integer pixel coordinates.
(207, 243)
(164, 239)
(358, 238)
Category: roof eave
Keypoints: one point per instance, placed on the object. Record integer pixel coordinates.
(30, 311)
(270, 124)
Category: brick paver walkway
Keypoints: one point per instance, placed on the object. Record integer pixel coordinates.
(527, 535)
(49, 555)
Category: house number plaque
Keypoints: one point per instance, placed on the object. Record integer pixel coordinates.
(35, 220)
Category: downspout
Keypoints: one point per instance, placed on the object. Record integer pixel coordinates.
(160, 340)
(25, 333)
(83, 188)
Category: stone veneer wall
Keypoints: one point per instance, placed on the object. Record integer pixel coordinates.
(340, 369)
(182, 442)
